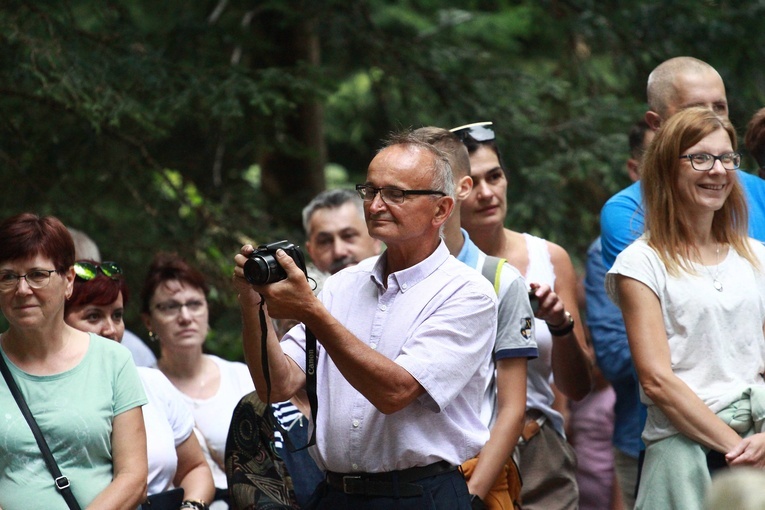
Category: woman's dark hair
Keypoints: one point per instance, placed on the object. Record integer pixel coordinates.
(27, 235)
(100, 291)
(167, 267)
(473, 145)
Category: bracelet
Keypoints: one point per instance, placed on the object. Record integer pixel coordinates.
(194, 504)
(563, 330)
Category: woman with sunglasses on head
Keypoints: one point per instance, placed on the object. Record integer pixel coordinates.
(692, 293)
(82, 389)
(547, 462)
(97, 305)
(174, 310)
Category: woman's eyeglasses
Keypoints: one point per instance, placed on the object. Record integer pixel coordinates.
(87, 270)
(478, 131)
(704, 162)
(36, 279)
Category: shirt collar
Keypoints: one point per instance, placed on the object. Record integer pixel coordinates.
(411, 276)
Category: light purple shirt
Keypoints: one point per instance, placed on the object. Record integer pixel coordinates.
(438, 320)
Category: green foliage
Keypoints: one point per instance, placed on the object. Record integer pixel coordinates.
(149, 125)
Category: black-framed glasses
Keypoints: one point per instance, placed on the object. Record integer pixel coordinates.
(87, 270)
(704, 162)
(478, 131)
(36, 279)
(392, 195)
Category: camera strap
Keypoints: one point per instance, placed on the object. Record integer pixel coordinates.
(310, 379)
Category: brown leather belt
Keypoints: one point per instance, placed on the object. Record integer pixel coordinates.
(390, 483)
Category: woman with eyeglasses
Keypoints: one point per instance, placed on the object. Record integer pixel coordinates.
(692, 293)
(174, 310)
(82, 389)
(97, 305)
(547, 462)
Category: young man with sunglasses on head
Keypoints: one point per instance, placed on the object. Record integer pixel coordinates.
(405, 344)
(492, 476)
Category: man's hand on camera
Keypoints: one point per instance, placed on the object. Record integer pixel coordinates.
(289, 298)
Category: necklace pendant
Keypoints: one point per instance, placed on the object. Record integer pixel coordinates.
(718, 285)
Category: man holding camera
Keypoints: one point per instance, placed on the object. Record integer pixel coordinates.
(405, 344)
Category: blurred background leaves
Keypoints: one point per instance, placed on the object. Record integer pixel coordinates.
(197, 126)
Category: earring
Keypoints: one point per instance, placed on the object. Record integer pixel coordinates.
(153, 337)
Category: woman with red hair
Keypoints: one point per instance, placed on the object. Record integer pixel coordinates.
(83, 390)
(175, 457)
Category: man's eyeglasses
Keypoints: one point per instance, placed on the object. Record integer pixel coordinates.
(704, 162)
(171, 309)
(478, 131)
(392, 195)
(36, 279)
(87, 270)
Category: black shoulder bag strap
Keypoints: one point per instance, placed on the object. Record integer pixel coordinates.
(62, 482)
(310, 379)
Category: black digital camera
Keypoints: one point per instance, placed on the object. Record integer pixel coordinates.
(262, 268)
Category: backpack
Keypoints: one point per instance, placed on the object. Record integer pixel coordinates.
(491, 270)
(257, 476)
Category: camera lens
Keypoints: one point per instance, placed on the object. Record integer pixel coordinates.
(261, 269)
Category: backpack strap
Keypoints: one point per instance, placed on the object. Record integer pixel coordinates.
(492, 269)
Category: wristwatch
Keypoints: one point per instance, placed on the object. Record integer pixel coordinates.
(565, 329)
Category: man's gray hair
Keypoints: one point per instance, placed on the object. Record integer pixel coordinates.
(331, 199)
(443, 180)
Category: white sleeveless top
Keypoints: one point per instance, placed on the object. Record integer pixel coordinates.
(539, 394)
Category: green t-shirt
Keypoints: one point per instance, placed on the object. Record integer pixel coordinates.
(74, 410)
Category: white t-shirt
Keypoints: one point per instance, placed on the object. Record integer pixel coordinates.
(168, 423)
(716, 341)
(213, 415)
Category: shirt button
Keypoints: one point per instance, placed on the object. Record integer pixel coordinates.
(383, 307)
(355, 466)
(404, 286)
(373, 346)
(355, 423)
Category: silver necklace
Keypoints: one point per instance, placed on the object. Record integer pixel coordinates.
(717, 283)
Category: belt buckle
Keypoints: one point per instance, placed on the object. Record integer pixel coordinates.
(346, 479)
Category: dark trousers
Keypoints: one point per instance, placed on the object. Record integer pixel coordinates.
(447, 491)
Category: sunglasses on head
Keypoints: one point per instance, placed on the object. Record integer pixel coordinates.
(87, 270)
(478, 131)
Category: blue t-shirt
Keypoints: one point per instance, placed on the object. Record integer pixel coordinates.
(609, 339)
